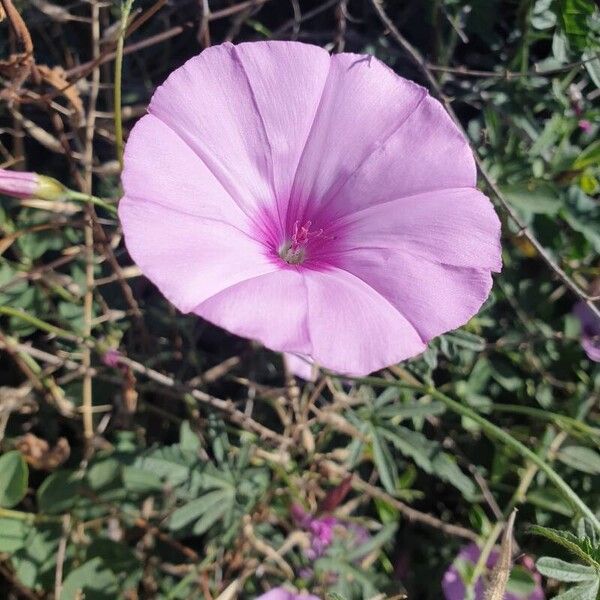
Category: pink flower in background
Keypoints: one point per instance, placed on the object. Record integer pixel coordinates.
(24, 184)
(590, 330)
(324, 530)
(585, 125)
(17, 183)
(284, 594)
(320, 204)
(454, 588)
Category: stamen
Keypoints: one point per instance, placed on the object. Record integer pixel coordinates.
(294, 251)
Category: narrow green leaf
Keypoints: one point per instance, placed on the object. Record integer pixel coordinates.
(378, 540)
(565, 571)
(196, 508)
(580, 458)
(383, 462)
(567, 541)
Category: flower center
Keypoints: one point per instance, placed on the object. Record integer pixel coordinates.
(294, 250)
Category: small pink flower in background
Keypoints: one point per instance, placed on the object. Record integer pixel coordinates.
(324, 530)
(585, 125)
(454, 588)
(284, 594)
(320, 204)
(590, 331)
(24, 184)
(111, 357)
(17, 183)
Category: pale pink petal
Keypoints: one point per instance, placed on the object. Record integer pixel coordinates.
(434, 298)
(353, 329)
(300, 366)
(427, 153)
(364, 103)
(187, 257)
(19, 184)
(246, 112)
(160, 167)
(457, 227)
(271, 309)
(287, 81)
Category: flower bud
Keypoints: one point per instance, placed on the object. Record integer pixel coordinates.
(22, 184)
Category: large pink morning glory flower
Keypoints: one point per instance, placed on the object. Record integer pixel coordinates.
(320, 204)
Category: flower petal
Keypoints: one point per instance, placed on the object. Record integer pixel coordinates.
(364, 103)
(457, 227)
(300, 366)
(427, 153)
(287, 81)
(187, 257)
(162, 168)
(246, 111)
(353, 329)
(270, 308)
(434, 298)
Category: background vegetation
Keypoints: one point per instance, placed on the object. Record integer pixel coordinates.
(169, 470)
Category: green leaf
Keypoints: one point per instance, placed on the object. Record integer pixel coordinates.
(14, 475)
(406, 411)
(586, 227)
(584, 591)
(213, 514)
(188, 439)
(12, 534)
(533, 198)
(574, 17)
(375, 542)
(568, 541)
(103, 473)
(384, 462)
(141, 481)
(92, 579)
(58, 492)
(428, 456)
(589, 157)
(565, 571)
(196, 508)
(520, 582)
(581, 458)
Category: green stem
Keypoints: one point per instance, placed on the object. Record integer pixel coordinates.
(39, 324)
(496, 433)
(81, 197)
(125, 10)
(563, 421)
(17, 515)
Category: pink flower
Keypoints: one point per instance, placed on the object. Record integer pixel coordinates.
(320, 204)
(23, 184)
(18, 184)
(323, 530)
(284, 594)
(111, 357)
(590, 331)
(454, 588)
(585, 125)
